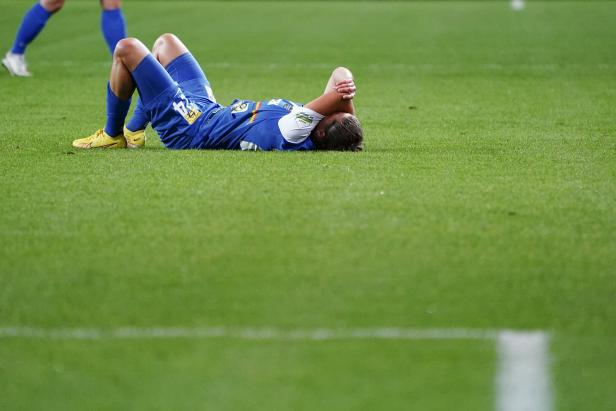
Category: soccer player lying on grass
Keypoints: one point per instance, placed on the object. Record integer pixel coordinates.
(176, 97)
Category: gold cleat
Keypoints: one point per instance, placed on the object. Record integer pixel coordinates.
(134, 139)
(100, 139)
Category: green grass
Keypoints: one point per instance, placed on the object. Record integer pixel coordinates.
(486, 198)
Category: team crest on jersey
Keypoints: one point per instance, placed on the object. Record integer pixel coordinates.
(303, 119)
(240, 107)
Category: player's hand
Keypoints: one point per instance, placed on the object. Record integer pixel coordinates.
(346, 88)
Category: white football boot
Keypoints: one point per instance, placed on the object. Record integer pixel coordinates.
(16, 65)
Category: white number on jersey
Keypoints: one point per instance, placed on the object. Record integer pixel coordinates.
(187, 109)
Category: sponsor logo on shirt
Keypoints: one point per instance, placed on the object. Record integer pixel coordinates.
(303, 119)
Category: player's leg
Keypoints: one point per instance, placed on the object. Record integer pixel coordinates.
(113, 25)
(31, 25)
(181, 65)
(133, 67)
(120, 88)
(165, 50)
(172, 54)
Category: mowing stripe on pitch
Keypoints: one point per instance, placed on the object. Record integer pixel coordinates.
(522, 383)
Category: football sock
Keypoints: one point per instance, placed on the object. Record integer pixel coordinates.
(139, 121)
(31, 25)
(116, 113)
(113, 27)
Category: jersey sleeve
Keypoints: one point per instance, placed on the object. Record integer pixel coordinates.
(298, 124)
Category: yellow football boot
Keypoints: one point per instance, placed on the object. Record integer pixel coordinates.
(134, 139)
(100, 139)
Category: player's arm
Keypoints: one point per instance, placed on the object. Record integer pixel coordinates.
(338, 95)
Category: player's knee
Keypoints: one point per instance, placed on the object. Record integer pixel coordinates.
(126, 47)
(111, 4)
(164, 39)
(52, 6)
(162, 43)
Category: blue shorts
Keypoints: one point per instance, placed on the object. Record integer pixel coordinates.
(174, 97)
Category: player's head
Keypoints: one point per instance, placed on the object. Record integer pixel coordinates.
(339, 131)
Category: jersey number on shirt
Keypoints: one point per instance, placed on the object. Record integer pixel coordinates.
(186, 108)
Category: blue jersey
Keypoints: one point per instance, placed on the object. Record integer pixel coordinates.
(182, 109)
(263, 125)
(188, 120)
(176, 115)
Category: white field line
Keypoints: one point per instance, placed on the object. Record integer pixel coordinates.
(522, 382)
(318, 334)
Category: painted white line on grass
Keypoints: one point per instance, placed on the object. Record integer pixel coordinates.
(523, 380)
(318, 334)
(522, 383)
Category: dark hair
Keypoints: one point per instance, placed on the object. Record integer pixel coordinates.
(345, 134)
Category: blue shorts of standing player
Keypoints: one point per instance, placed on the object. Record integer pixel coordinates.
(35, 19)
(176, 97)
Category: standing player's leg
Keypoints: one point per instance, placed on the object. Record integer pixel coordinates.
(113, 25)
(172, 54)
(133, 67)
(31, 25)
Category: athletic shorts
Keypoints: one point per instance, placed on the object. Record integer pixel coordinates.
(176, 98)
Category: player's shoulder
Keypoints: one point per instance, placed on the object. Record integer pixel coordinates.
(284, 104)
(297, 124)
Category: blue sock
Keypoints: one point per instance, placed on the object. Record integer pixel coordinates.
(116, 113)
(139, 121)
(31, 25)
(113, 27)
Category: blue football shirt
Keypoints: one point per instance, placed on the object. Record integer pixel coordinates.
(275, 124)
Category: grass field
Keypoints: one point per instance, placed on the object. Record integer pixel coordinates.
(485, 199)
